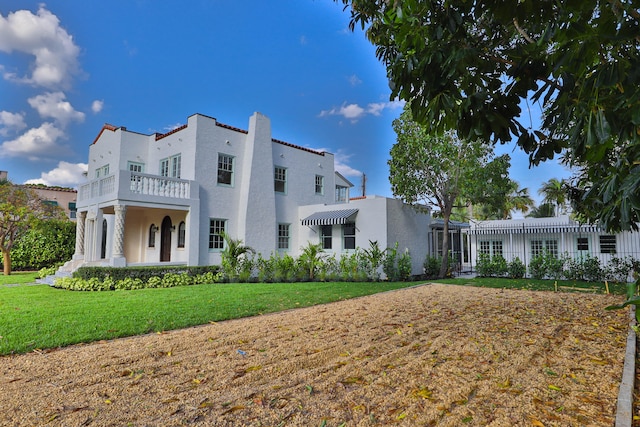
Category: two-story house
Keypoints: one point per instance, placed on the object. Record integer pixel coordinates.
(166, 198)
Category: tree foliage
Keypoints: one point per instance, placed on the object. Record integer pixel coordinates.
(20, 209)
(439, 170)
(46, 244)
(471, 65)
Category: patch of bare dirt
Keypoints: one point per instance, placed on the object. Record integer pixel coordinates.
(436, 355)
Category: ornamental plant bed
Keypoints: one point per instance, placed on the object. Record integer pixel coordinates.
(435, 355)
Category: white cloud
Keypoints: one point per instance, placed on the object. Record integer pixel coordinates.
(65, 175)
(34, 143)
(53, 105)
(303, 40)
(354, 80)
(97, 105)
(11, 122)
(354, 112)
(341, 160)
(40, 35)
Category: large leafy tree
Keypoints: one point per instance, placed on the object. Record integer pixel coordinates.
(438, 170)
(471, 65)
(20, 209)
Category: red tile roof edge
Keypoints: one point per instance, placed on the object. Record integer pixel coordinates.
(358, 198)
(288, 144)
(171, 132)
(46, 187)
(106, 126)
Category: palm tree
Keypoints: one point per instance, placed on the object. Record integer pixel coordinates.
(231, 254)
(545, 210)
(555, 193)
(518, 200)
(310, 258)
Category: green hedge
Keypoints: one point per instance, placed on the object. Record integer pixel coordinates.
(142, 273)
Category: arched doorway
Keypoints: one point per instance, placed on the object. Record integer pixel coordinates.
(165, 240)
(103, 245)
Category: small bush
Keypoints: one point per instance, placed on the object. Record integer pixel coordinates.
(431, 266)
(404, 266)
(516, 269)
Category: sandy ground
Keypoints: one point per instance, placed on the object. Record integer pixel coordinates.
(435, 355)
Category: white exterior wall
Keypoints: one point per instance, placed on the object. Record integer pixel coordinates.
(379, 219)
(251, 207)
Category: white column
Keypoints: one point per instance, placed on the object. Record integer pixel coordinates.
(118, 236)
(80, 228)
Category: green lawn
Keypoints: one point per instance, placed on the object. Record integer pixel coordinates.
(18, 277)
(39, 317)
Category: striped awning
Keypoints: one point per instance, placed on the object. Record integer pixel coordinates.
(330, 217)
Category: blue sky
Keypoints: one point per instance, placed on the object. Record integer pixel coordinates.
(67, 67)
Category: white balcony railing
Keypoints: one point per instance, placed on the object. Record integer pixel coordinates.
(128, 185)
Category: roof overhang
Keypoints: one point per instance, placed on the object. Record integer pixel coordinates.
(330, 217)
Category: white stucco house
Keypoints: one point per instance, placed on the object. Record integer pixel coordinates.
(528, 237)
(165, 198)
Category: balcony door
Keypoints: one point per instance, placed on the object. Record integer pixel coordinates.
(165, 240)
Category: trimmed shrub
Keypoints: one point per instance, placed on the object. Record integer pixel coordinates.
(516, 269)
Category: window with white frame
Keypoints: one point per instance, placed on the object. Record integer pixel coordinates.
(326, 237)
(182, 234)
(225, 169)
(280, 179)
(171, 166)
(491, 247)
(283, 237)
(136, 167)
(349, 235)
(217, 228)
(538, 247)
(607, 244)
(102, 171)
(319, 184)
(341, 193)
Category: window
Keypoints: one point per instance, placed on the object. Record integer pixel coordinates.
(280, 179)
(319, 184)
(608, 244)
(102, 171)
(225, 169)
(216, 229)
(152, 235)
(538, 247)
(491, 247)
(349, 235)
(582, 243)
(283, 236)
(136, 167)
(325, 236)
(72, 210)
(171, 166)
(341, 193)
(182, 234)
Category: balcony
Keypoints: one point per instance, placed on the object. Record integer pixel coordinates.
(125, 185)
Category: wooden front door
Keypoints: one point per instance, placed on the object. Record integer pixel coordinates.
(165, 240)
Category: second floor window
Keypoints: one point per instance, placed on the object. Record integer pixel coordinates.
(341, 193)
(319, 184)
(102, 171)
(225, 169)
(280, 179)
(171, 166)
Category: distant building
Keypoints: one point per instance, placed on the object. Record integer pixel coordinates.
(63, 197)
